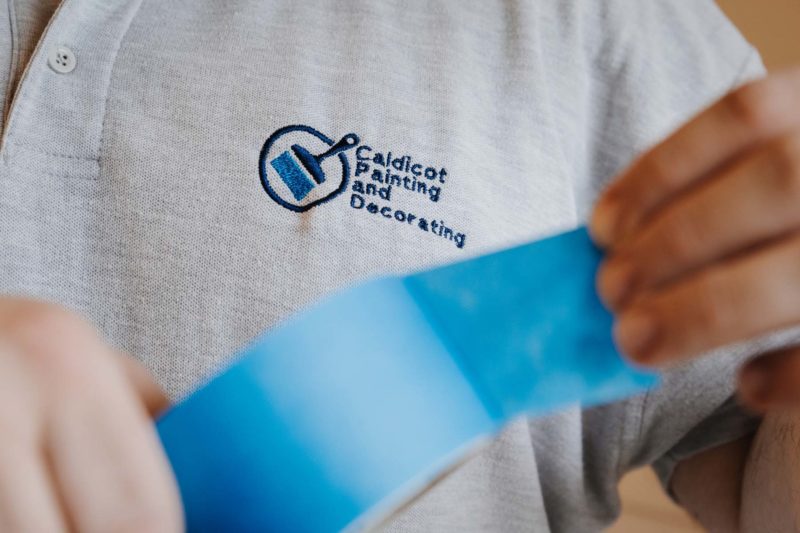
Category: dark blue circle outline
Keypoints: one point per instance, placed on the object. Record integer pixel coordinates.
(262, 168)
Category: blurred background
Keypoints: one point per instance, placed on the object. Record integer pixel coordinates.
(772, 26)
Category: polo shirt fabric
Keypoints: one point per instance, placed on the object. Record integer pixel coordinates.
(147, 188)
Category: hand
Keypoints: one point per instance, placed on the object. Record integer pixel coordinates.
(704, 238)
(79, 451)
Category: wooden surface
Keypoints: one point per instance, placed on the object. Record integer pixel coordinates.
(773, 26)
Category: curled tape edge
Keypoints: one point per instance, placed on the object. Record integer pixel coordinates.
(321, 427)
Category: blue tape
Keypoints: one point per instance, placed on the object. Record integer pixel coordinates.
(341, 414)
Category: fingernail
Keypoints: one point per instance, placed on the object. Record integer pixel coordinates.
(636, 333)
(604, 221)
(617, 279)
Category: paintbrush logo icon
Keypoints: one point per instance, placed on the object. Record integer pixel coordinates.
(301, 168)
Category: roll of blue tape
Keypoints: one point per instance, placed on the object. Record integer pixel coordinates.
(340, 415)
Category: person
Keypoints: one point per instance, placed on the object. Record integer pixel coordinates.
(178, 177)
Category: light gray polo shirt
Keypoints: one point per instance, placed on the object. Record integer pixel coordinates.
(151, 180)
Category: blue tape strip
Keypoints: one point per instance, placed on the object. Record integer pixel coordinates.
(528, 326)
(348, 409)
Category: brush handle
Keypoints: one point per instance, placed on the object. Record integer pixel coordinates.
(345, 143)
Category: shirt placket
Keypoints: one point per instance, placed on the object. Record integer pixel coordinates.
(55, 123)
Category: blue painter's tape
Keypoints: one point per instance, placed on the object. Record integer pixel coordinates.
(528, 325)
(292, 175)
(346, 411)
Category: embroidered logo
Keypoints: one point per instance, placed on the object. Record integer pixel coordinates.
(302, 168)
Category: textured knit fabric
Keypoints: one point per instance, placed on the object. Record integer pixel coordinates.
(133, 189)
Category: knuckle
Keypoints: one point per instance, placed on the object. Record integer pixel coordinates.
(659, 171)
(38, 321)
(679, 238)
(712, 309)
(751, 105)
(56, 343)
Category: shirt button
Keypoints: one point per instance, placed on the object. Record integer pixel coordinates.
(62, 60)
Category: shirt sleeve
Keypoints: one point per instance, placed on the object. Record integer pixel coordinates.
(654, 66)
(666, 62)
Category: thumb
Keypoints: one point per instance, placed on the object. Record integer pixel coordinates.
(153, 398)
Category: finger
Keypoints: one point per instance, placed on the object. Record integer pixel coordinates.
(772, 380)
(736, 300)
(27, 499)
(746, 117)
(110, 469)
(149, 392)
(106, 462)
(752, 201)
